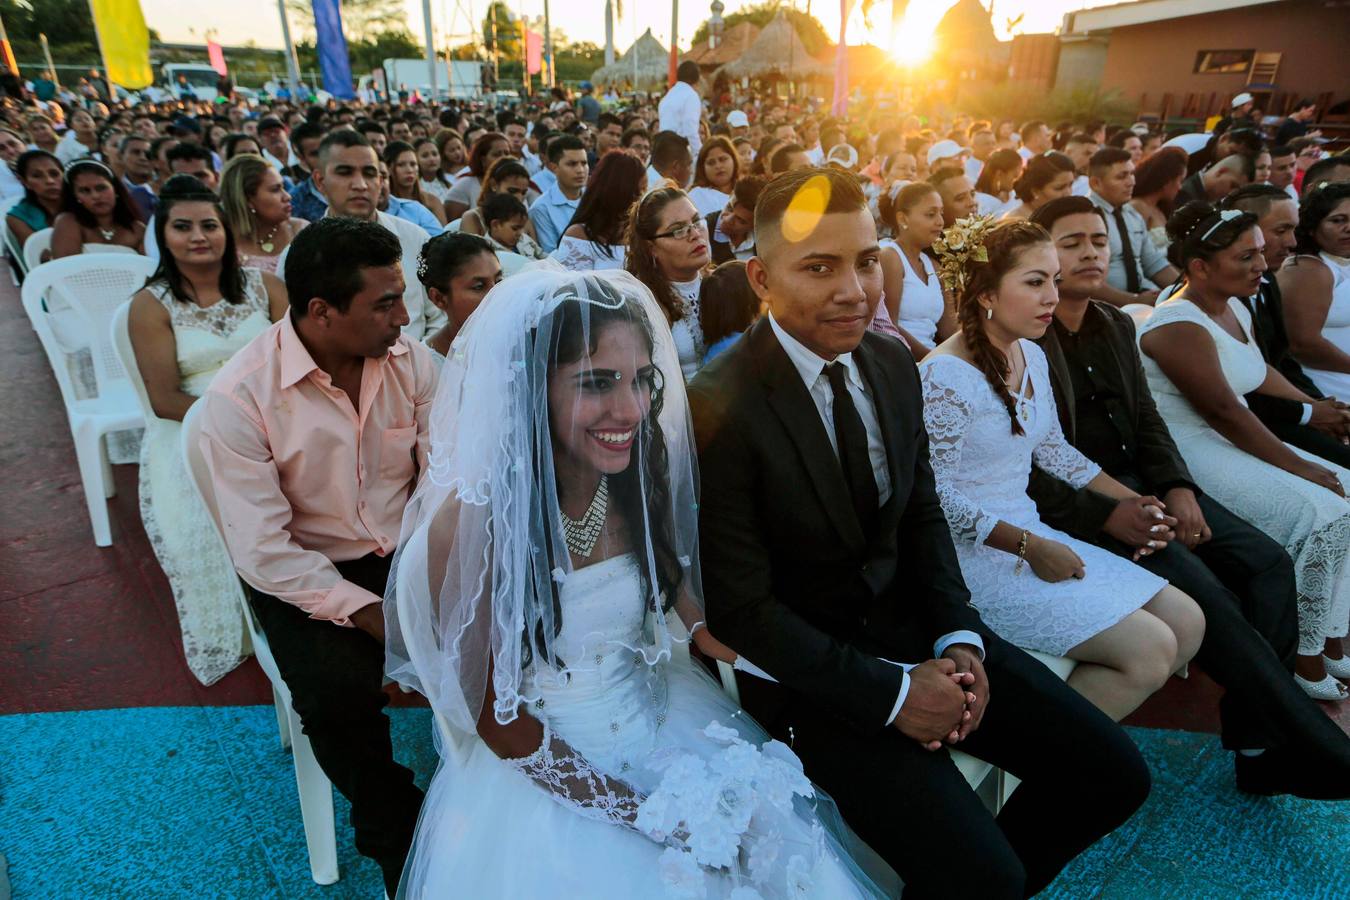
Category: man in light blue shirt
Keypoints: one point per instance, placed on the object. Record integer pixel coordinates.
(1138, 269)
(552, 212)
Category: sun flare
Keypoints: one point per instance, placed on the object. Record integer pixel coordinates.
(911, 43)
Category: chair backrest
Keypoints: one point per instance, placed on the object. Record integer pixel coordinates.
(108, 248)
(38, 243)
(512, 262)
(92, 288)
(120, 335)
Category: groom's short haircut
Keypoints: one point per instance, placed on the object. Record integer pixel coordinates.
(326, 260)
(1056, 209)
(834, 190)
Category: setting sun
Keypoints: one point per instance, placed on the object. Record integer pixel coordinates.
(912, 42)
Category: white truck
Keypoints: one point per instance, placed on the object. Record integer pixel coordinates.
(458, 79)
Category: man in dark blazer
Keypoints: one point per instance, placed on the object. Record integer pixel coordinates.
(1242, 580)
(731, 231)
(828, 564)
(1323, 426)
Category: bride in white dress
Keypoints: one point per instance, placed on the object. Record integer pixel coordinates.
(186, 323)
(1316, 288)
(1201, 360)
(990, 412)
(545, 585)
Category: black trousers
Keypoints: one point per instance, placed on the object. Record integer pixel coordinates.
(1082, 777)
(336, 678)
(1316, 442)
(1244, 583)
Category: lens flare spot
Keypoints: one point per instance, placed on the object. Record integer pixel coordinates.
(806, 209)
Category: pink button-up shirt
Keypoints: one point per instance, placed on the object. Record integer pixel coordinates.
(304, 480)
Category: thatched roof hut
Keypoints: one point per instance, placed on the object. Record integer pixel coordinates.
(737, 40)
(643, 66)
(778, 53)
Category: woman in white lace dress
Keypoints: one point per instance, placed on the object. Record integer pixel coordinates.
(545, 586)
(668, 251)
(1201, 361)
(595, 239)
(990, 412)
(457, 271)
(1315, 284)
(196, 311)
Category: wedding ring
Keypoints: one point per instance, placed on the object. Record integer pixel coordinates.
(1196, 534)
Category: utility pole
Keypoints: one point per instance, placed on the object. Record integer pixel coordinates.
(47, 54)
(548, 48)
(609, 32)
(674, 42)
(431, 50)
(292, 64)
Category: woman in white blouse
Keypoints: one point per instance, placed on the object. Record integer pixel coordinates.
(715, 175)
(595, 237)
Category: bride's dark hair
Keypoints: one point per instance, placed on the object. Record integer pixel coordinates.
(641, 492)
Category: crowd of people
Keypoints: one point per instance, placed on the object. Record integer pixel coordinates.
(509, 405)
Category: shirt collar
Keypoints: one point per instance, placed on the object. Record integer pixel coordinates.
(556, 197)
(296, 363)
(810, 366)
(1097, 199)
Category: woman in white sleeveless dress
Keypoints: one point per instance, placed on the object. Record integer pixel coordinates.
(990, 413)
(544, 588)
(1201, 360)
(596, 237)
(668, 251)
(914, 299)
(1315, 285)
(197, 310)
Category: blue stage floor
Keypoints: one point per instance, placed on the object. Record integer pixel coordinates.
(183, 802)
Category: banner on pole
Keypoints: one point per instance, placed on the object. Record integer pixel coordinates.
(334, 63)
(125, 40)
(215, 54)
(534, 48)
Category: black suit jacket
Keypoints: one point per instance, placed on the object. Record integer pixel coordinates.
(789, 577)
(1267, 310)
(721, 250)
(1081, 512)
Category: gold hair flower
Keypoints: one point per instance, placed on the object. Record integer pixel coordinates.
(960, 247)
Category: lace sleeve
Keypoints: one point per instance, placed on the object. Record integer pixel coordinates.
(1056, 456)
(947, 414)
(572, 781)
(575, 255)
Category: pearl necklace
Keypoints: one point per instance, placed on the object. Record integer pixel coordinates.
(581, 534)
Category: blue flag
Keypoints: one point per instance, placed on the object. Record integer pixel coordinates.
(334, 63)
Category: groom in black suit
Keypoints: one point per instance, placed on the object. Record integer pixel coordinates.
(828, 564)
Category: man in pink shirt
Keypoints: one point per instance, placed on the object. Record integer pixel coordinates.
(314, 434)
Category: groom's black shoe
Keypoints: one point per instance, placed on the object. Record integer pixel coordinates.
(1286, 771)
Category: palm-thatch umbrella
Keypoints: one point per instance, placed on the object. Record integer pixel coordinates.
(778, 53)
(642, 66)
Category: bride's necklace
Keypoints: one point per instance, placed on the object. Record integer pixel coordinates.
(581, 534)
(266, 245)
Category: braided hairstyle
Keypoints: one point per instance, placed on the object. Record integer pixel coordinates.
(1004, 244)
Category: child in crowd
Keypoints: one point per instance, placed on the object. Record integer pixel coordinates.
(506, 219)
(727, 306)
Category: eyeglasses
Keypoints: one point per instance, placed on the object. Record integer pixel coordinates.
(684, 229)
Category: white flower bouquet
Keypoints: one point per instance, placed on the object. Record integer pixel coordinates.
(708, 806)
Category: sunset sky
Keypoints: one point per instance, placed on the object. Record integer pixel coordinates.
(238, 21)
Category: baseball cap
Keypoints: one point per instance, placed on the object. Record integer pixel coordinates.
(945, 150)
(1240, 99)
(270, 122)
(844, 155)
(738, 119)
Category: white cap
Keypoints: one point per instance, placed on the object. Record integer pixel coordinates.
(945, 150)
(1241, 98)
(738, 119)
(844, 155)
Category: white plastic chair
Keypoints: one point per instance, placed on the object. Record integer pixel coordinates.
(12, 248)
(992, 785)
(108, 248)
(90, 290)
(38, 243)
(512, 262)
(313, 786)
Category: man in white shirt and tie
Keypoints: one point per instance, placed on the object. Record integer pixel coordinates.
(681, 108)
(1138, 269)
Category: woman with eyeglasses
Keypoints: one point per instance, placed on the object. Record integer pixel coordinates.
(96, 212)
(668, 251)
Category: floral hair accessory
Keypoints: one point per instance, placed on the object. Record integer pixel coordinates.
(960, 247)
(1225, 217)
(421, 265)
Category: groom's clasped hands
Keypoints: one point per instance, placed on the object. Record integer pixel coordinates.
(946, 700)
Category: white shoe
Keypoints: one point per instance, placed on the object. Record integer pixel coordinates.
(1339, 668)
(1328, 689)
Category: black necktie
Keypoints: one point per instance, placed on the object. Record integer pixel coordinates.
(1127, 251)
(851, 437)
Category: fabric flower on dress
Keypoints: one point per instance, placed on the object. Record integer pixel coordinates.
(682, 876)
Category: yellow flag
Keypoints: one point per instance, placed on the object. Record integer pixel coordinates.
(125, 41)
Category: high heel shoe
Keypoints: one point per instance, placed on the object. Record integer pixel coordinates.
(1328, 689)
(1338, 668)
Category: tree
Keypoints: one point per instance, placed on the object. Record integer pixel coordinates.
(808, 27)
(362, 20)
(502, 28)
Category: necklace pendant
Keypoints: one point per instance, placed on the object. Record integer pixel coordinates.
(267, 246)
(107, 234)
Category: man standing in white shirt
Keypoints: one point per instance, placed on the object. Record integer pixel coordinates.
(1080, 148)
(682, 107)
(1036, 139)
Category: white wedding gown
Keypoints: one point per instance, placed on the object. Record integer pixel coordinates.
(1336, 329)
(1311, 522)
(202, 577)
(487, 831)
(981, 469)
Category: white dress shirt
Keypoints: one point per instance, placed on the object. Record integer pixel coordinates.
(1149, 259)
(679, 111)
(812, 370)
